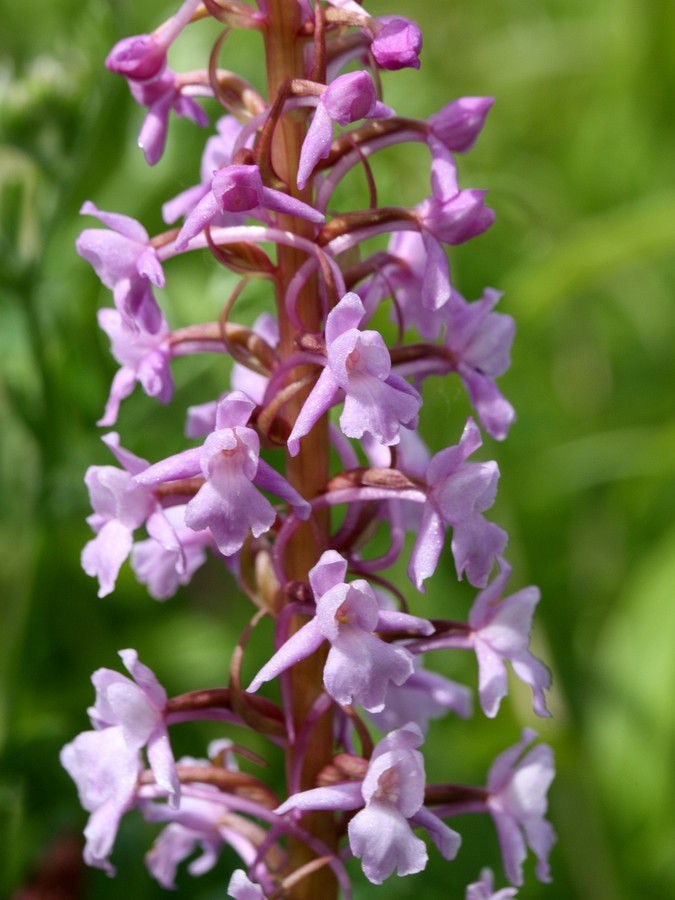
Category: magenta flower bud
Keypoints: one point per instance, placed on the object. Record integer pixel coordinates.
(456, 219)
(138, 58)
(236, 190)
(217, 153)
(459, 123)
(143, 56)
(349, 98)
(397, 43)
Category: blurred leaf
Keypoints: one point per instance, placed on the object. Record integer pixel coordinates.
(631, 720)
(595, 249)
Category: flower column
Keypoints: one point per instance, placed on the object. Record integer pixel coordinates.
(309, 470)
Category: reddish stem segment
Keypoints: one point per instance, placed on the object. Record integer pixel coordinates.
(308, 471)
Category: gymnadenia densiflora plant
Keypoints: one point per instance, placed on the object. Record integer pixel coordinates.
(293, 474)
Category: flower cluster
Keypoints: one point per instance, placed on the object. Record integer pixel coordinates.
(317, 393)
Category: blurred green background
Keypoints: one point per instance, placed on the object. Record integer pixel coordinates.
(578, 157)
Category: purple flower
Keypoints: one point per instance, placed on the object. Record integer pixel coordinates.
(138, 708)
(242, 888)
(376, 401)
(126, 262)
(421, 288)
(347, 99)
(105, 769)
(143, 357)
(105, 763)
(138, 58)
(228, 503)
(254, 384)
(450, 215)
(518, 785)
(418, 288)
(143, 56)
(458, 492)
(396, 43)
(480, 341)
(120, 506)
(218, 153)
(198, 822)
(424, 696)
(162, 94)
(164, 566)
(484, 889)
(240, 189)
(500, 630)
(459, 123)
(359, 666)
(390, 799)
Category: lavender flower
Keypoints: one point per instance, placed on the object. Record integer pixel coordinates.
(228, 503)
(164, 566)
(198, 823)
(359, 666)
(120, 506)
(484, 889)
(376, 400)
(104, 768)
(480, 341)
(242, 888)
(499, 631)
(161, 95)
(390, 798)
(105, 763)
(458, 493)
(518, 783)
(422, 697)
(143, 357)
(125, 261)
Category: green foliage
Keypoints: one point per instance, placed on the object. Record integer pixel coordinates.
(577, 156)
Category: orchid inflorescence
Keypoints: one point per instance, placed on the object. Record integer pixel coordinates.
(347, 653)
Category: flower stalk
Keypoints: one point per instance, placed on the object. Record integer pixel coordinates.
(317, 384)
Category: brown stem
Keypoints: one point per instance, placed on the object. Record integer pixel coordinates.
(308, 471)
